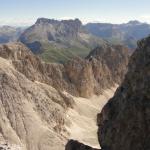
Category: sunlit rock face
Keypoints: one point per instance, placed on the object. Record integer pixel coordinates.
(59, 41)
(33, 103)
(102, 68)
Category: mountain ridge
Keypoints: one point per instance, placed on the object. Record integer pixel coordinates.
(65, 77)
(126, 33)
(59, 41)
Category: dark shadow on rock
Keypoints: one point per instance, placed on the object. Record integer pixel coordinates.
(75, 145)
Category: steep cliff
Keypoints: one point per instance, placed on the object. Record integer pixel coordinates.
(33, 104)
(124, 123)
(32, 113)
(103, 67)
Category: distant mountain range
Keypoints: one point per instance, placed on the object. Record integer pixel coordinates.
(127, 34)
(59, 41)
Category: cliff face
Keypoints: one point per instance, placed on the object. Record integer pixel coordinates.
(124, 123)
(112, 57)
(101, 69)
(76, 75)
(126, 33)
(10, 34)
(32, 102)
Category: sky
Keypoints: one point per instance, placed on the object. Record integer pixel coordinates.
(25, 12)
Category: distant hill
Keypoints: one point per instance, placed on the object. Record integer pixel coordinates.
(59, 41)
(127, 33)
(10, 34)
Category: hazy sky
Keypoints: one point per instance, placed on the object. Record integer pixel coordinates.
(25, 12)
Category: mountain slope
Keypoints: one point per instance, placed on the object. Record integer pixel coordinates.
(76, 75)
(124, 122)
(127, 33)
(27, 111)
(126, 117)
(35, 96)
(59, 41)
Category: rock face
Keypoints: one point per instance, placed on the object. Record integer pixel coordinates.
(75, 76)
(32, 101)
(75, 145)
(124, 123)
(59, 41)
(10, 147)
(102, 68)
(116, 65)
(53, 30)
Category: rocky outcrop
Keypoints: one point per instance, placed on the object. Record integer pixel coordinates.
(32, 112)
(54, 29)
(116, 65)
(124, 123)
(33, 103)
(103, 67)
(75, 145)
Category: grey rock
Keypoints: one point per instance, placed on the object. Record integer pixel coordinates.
(124, 123)
(75, 145)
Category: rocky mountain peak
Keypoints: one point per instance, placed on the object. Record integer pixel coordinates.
(107, 49)
(46, 20)
(14, 51)
(70, 22)
(119, 59)
(134, 22)
(99, 72)
(75, 22)
(35, 93)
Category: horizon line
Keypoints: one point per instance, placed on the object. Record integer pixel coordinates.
(29, 22)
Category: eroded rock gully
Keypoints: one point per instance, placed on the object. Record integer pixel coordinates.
(33, 104)
(124, 123)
